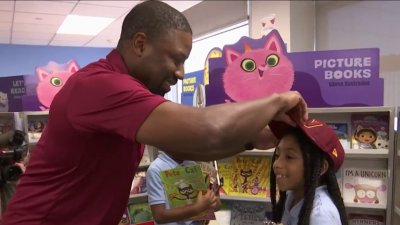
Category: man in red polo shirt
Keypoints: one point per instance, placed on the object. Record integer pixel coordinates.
(83, 165)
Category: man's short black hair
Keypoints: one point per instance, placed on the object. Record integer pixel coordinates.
(154, 18)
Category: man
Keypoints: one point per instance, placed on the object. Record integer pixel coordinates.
(84, 163)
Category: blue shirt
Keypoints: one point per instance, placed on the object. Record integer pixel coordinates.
(323, 212)
(155, 188)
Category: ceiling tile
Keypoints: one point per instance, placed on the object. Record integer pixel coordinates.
(49, 7)
(40, 28)
(96, 10)
(5, 37)
(70, 40)
(38, 18)
(182, 5)
(6, 16)
(30, 35)
(27, 41)
(104, 41)
(5, 27)
(6, 5)
(122, 4)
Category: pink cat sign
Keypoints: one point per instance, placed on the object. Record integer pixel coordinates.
(256, 68)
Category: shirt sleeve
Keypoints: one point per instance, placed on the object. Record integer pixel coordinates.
(110, 103)
(155, 188)
(324, 215)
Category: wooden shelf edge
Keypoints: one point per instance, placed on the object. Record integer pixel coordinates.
(244, 198)
(364, 206)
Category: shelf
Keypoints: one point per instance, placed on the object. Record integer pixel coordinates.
(397, 210)
(268, 152)
(364, 206)
(143, 166)
(377, 109)
(37, 113)
(367, 153)
(244, 198)
(138, 197)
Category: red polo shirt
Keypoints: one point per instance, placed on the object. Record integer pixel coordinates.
(81, 170)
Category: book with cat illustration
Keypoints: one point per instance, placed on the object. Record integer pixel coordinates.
(370, 131)
(36, 125)
(125, 218)
(366, 219)
(182, 185)
(245, 175)
(342, 132)
(365, 186)
(249, 213)
(140, 213)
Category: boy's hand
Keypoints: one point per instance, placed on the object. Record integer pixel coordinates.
(207, 200)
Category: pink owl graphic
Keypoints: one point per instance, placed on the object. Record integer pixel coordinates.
(51, 79)
(258, 73)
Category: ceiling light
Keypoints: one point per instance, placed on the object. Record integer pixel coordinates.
(84, 25)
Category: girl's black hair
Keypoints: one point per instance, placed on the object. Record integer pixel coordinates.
(313, 158)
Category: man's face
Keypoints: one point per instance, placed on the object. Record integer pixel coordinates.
(163, 61)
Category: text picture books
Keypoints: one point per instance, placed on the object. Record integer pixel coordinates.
(365, 186)
(369, 131)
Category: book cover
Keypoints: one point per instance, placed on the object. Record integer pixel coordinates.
(6, 123)
(182, 185)
(140, 213)
(249, 213)
(36, 126)
(366, 219)
(370, 131)
(224, 167)
(139, 183)
(365, 186)
(210, 175)
(342, 132)
(250, 176)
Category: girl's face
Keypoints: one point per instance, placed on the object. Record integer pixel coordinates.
(288, 166)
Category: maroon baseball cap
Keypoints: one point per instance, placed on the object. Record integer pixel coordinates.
(319, 133)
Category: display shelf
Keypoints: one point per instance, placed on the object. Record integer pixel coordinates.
(367, 153)
(142, 197)
(366, 206)
(244, 198)
(268, 152)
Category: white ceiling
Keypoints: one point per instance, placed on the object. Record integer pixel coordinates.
(36, 22)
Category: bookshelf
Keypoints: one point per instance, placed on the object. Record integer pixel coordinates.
(34, 123)
(396, 174)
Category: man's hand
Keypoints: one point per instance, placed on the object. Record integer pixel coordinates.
(295, 111)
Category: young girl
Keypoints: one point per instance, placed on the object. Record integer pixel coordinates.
(303, 169)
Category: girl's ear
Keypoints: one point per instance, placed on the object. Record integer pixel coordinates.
(325, 166)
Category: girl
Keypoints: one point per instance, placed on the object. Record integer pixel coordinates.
(303, 169)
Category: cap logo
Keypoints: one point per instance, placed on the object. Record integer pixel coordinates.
(334, 152)
(312, 124)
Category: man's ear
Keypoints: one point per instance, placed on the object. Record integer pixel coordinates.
(325, 166)
(138, 44)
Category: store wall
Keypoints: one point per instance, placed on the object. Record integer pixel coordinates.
(23, 59)
(364, 24)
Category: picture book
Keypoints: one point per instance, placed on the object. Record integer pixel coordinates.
(365, 186)
(369, 131)
(140, 213)
(36, 125)
(224, 167)
(210, 175)
(249, 213)
(147, 157)
(6, 124)
(249, 176)
(139, 183)
(342, 132)
(365, 219)
(182, 185)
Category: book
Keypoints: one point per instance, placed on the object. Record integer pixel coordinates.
(365, 186)
(342, 132)
(249, 213)
(139, 183)
(182, 185)
(365, 219)
(6, 124)
(140, 213)
(210, 175)
(36, 125)
(245, 176)
(147, 156)
(370, 131)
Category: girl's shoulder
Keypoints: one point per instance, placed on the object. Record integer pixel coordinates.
(324, 210)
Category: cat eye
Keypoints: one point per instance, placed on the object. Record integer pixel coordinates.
(248, 65)
(56, 81)
(272, 60)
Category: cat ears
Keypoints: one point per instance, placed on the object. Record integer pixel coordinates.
(273, 43)
(42, 73)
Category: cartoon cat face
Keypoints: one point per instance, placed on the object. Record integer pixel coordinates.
(50, 83)
(258, 73)
(3, 102)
